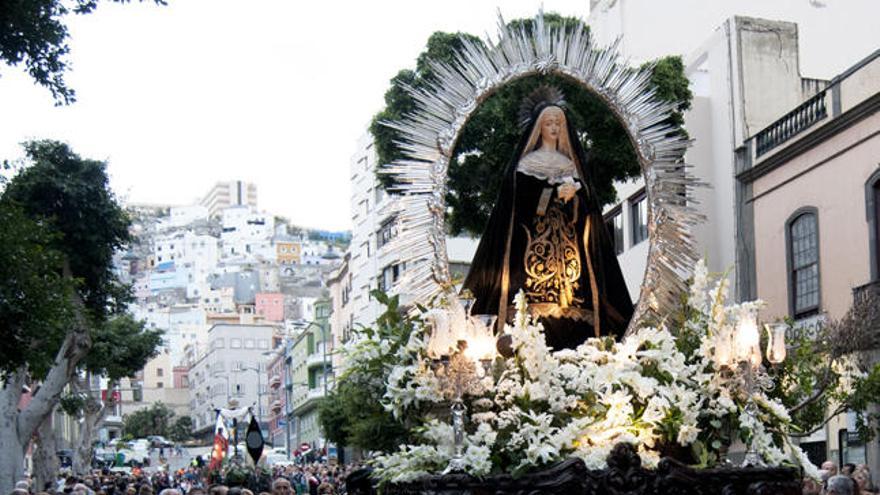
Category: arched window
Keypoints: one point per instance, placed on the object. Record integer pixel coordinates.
(802, 234)
(872, 210)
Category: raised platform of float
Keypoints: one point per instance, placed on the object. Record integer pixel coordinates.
(624, 475)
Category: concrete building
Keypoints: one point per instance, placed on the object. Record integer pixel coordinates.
(810, 185)
(229, 193)
(270, 306)
(833, 34)
(158, 385)
(277, 420)
(311, 375)
(288, 251)
(181, 216)
(232, 366)
(371, 263)
(341, 315)
(744, 73)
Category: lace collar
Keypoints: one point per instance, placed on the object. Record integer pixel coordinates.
(549, 165)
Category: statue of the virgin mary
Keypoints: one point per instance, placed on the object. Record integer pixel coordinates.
(546, 237)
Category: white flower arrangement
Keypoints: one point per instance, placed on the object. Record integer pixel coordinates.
(659, 391)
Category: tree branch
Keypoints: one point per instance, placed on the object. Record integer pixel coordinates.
(837, 411)
(75, 346)
(823, 386)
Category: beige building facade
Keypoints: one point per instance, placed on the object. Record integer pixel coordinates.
(810, 189)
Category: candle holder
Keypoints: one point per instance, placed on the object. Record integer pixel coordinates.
(738, 351)
(463, 347)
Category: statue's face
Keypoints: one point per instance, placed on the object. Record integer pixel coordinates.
(552, 122)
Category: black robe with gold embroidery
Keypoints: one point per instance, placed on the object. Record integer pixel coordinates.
(558, 252)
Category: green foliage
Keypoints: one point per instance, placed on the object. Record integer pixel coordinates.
(73, 404)
(353, 414)
(60, 228)
(181, 430)
(71, 195)
(154, 420)
(34, 297)
(487, 141)
(121, 347)
(34, 33)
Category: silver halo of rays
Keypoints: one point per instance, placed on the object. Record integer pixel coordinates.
(429, 134)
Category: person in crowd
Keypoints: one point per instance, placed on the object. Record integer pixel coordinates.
(281, 486)
(863, 482)
(811, 487)
(840, 485)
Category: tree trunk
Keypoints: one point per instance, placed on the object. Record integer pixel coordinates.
(11, 446)
(46, 465)
(18, 426)
(94, 413)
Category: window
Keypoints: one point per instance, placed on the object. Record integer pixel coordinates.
(239, 389)
(219, 344)
(263, 344)
(159, 385)
(872, 198)
(614, 222)
(387, 232)
(235, 343)
(639, 216)
(803, 262)
(249, 343)
(160, 372)
(390, 274)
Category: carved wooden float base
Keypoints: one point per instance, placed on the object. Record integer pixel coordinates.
(624, 476)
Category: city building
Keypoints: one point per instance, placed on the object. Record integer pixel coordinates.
(158, 385)
(288, 251)
(810, 186)
(270, 306)
(311, 374)
(341, 315)
(277, 420)
(232, 366)
(372, 262)
(225, 194)
(744, 73)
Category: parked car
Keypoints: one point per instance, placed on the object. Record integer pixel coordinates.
(159, 441)
(134, 457)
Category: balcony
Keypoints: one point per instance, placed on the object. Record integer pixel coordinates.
(276, 406)
(316, 360)
(862, 292)
(791, 124)
(315, 393)
(275, 381)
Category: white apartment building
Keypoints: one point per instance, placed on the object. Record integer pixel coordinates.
(229, 193)
(247, 234)
(371, 263)
(745, 73)
(183, 325)
(231, 366)
(181, 216)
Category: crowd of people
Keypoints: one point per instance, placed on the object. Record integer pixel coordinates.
(323, 479)
(851, 479)
(308, 479)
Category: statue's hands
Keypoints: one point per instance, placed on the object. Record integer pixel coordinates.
(568, 189)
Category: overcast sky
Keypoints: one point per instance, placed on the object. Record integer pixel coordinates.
(275, 92)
